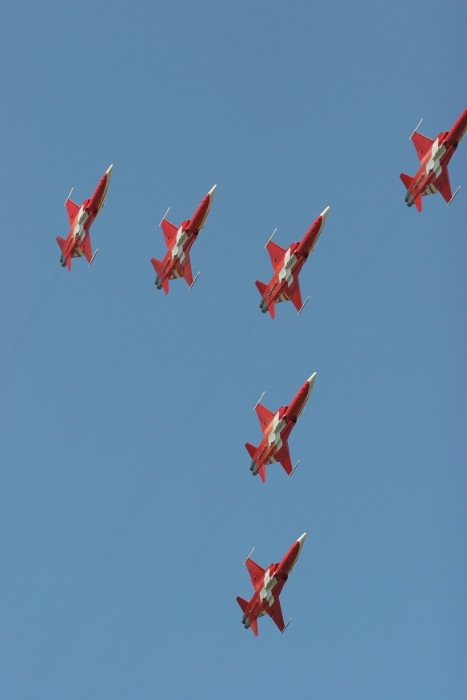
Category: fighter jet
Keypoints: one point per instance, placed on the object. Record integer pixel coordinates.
(78, 242)
(284, 285)
(276, 429)
(268, 584)
(434, 156)
(179, 241)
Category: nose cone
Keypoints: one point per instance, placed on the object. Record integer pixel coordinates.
(311, 380)
(108, 172)
(212, 192)
(324, 214)
(301, 541)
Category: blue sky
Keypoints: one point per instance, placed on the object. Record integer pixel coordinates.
(126, 502)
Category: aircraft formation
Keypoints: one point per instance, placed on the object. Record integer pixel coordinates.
(431, 177)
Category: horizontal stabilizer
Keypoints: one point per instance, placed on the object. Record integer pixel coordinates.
(254, 626)
(242, 603)
(261, 287)
(251, 450)
(272, 309)
(157, 265)
(262, 473)
(406, 179)
(418, 202)
(61, 242)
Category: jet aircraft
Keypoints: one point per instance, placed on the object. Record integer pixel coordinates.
(179, 241)
(276, 429)
(284, 285)
(268, 584)
(434, 156)
(78, 242)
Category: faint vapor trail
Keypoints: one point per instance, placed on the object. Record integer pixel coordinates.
(13, 353)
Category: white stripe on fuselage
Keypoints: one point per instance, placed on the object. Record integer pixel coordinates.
(274, 437)
(78, 230)
(177, 250)
(436, 155)
(266, 591)
(286, 270)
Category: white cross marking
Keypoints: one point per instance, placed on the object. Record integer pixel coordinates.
(78, 231)
(274, 437)
(266, 591)
(177, 250)
(286, 271)
(434, 162)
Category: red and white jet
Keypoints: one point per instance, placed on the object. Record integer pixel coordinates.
(284, 285)
(276, 429)
(179, 241)
(268, 584)
(434, 156)
(78, 242)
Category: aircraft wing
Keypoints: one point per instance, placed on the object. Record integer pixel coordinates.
(275, 613)
(265, 416)
(86, 249)
(276, 253)
(72, 210)
(255, 571)
(444, 186)
(296, 297)
(422, 144)
(187, 272)
(283, 457)
(170, 233)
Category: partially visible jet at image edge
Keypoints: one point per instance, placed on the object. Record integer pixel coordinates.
(434, 155)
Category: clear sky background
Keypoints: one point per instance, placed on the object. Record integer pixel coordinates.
(126, 502)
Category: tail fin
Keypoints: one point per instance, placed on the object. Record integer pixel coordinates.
(262, 473)
(418, 202)
(251, 450)
(242, 603)
(261, 287)
(61, 242)
(253, 623)
(157, 265)
(406, 179)
(272, 309)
